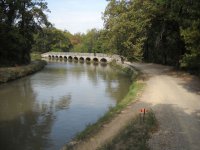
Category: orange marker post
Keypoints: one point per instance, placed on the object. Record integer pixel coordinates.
(143, 111)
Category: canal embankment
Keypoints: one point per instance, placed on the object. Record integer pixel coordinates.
(12, 73)
(116, 119)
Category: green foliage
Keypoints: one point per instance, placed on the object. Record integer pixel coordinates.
(52, 39)
(127, 23)
(19, 20)
(191, 61)
(161, 31)
(35, 56)
(94, 41)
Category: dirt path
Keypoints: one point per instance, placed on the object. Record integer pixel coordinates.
(176, 102)
(175, 99)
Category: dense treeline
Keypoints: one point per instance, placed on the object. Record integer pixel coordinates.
(52, 39)
(161, 31)
(94, 41)
(19, 20)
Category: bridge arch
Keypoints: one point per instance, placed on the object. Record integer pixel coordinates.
(81, 59)
(103, 60)
(60, 57)
(49, 56)
(65, 57)
(70, 57)
(95, 59)
(56, 57)
(75, 58)
(88, 59)
(53, 56)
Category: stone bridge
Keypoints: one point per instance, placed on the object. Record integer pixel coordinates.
(89, 57)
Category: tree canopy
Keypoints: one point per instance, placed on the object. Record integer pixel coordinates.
(161, 31)
(52, 39)
(19, 20)
(94, 41)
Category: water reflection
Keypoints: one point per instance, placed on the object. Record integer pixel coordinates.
(63, 103)
(47, 109)
(24, 124)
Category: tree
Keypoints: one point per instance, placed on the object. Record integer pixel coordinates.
(52, 39)
(19, 20)
(94, 41)
(127, 23)
(161, 31)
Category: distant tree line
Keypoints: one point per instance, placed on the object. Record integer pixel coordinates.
(94, 41)
(52, 39)
(19, 20)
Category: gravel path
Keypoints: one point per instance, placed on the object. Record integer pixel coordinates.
(175, 99)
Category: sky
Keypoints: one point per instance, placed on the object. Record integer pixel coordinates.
(76, 15)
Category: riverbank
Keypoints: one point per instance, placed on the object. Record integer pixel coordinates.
(12, 73)
(114, 120)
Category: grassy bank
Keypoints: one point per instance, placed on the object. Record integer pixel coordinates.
(108, 116)
(35, 56)
(12, 73)
(134, 136)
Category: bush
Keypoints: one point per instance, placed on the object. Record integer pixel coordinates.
(191, 62)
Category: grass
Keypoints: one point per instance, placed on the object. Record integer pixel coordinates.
(127, 70)
(35, 56)
(134, 136)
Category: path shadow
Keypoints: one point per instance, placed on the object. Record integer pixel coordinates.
(188, 81)
(178, 129)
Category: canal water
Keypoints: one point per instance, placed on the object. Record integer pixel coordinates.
(46, 110)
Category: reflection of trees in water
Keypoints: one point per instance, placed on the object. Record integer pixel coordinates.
(52, 75)
(117, 83)
(16, 98)
(62, 103)
(118, 92)
(111, 76)
(23, 124)
(55, 69)
(106, 73)
(58, 71)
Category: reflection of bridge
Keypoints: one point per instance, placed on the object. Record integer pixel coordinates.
(98, 57)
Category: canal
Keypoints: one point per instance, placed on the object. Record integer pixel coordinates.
(46, 110)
